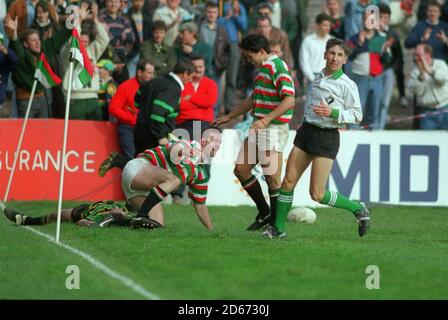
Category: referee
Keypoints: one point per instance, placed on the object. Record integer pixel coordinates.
(333, 103)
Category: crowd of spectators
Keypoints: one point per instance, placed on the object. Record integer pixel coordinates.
(131, 41)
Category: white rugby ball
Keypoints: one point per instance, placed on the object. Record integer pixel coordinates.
(302, 214)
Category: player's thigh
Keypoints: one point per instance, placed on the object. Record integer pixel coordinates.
(320, 171)
(247, 158)
(150, 176)
(271, 163)
(296, 165)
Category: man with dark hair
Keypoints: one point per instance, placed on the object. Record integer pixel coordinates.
(334, 103)
(370, 56)
(431, 31)
(158, 103)
(272, 105)
(265, 28)
(312, 51)
(156, 51)
(28, 48)
(190, 44)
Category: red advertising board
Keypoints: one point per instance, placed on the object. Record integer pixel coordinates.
(37, 172)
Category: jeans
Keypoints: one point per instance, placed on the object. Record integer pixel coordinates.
(436, 121)
(126, 136)
(132, 66)
(388, 83)
(231, 77)
(371, 90)
(39, 108)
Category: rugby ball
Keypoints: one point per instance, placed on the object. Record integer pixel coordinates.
(302, 214)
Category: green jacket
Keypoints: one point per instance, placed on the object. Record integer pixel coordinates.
(23, 74)
(163, 59)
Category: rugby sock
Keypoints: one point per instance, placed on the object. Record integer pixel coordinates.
(154, 197)
(273, 195)
(120, 161)
(284, 203)
(253, 188)
(34, 221)
(337, 200)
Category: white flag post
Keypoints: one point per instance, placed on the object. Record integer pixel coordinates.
(19, 145)
(64, 145)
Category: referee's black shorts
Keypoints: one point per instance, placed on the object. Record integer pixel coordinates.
(317, 141)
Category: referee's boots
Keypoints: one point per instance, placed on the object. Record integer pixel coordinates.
(363, 219)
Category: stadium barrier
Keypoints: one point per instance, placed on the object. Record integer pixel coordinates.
(392, 167)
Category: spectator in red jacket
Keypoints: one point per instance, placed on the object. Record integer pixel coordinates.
(197, 101)
(123, 108)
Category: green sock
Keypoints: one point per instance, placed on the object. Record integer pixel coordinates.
(337, 200)
(284, 203)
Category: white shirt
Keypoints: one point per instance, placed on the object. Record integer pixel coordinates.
(178, 80)
(168, 16)
(276, 18)
(311, 55)
(432, 92)
(345, 93)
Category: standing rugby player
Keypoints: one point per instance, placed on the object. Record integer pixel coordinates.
(271, 104)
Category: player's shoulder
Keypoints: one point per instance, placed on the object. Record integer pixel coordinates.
(345, 80)
(276, 64)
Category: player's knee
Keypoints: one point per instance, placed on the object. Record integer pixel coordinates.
(240, 173)
(316, 195)
(174, 183)
(273, 182)
(288, 185)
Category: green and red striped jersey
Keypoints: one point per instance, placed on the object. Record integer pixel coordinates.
(188, 172)
(272, 84)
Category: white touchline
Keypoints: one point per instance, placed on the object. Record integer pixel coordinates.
(125, 280)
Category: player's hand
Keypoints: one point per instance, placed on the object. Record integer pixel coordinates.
(389, 43)
(442, 37)
(427, 34)
(83, 10)
(362, 37)
(3, 49)
(187, 48)
(322, 109)
(259, 124)
(163, 141)
(221, 120)
(94, 12)
(11, 23)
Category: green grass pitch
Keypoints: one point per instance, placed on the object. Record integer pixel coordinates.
(325, 260)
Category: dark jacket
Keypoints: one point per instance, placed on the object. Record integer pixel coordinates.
(440, 49)
(163, 58)
(7, 64)
(158, 101)
(23, 75)
(147, 33)
(220, 49)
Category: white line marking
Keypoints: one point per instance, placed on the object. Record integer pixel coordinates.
(125, 280)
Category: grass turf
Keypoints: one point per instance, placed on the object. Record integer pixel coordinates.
(325, 260)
